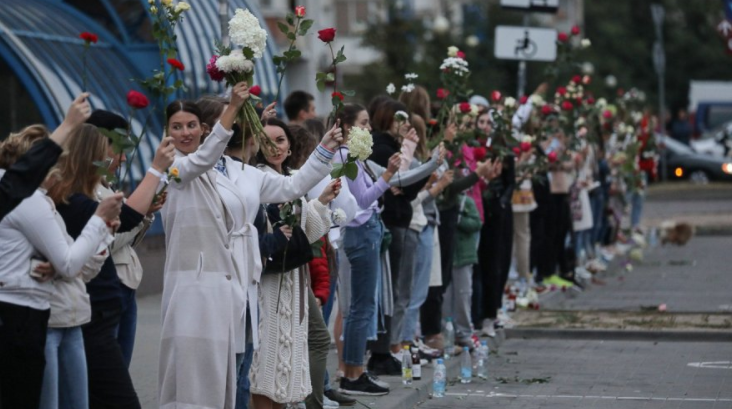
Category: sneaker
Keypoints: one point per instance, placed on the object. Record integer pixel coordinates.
(362, 386)
(427, 352)
(488, 328)
(329, 404)
(375, 379)
(385, 367)
(582, 274)
(436, 342)
(558, 281)
(339, 398)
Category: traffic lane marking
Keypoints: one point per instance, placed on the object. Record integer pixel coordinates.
(579, 397)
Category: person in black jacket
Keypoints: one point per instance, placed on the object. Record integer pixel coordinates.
(73, 191)
(27, 174)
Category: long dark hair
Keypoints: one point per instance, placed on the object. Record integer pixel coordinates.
(348, 115)
(286, 164)
(384, 116)
(181, 105)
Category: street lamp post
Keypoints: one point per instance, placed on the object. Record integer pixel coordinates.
(659, 63)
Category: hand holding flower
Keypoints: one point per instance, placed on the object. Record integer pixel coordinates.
(330, 192)
(334, 137)
(78, 112)
(164, 155)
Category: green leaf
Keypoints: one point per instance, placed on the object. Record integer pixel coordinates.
(336, 101)
(178, 84)
(248, 53)
(305, 26)
(277, 60)
(351, 170)
(340, 57)
(349, 93)
(291, 36)
(338, 170)
(290, 19)
(320, 76)
(284, 28)
(171, 53)
(292, 54)
(320, 84)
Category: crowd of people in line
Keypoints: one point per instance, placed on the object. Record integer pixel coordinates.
(263, 247)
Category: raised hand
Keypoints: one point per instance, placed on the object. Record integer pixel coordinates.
(330, 192)
(334, 137)
(110, 207)
(164, 155)
(239, 94)
(269, 111)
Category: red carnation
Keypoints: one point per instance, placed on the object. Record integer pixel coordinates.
(577, 79)
(464, 107)
(561, 91)
(525, 146)
(524, 99)
(213, 71)
(591, 101)
(300, 11)
(255, 90)
(562, 37)
(137, 100)
(496, 96)
(567, 106)
(432, 122)
(176, 64)
(442, 93)
(546, 109)
(516, 151)
(479, 153)
(337, 94)
(461, 55)
(575, 30)
(552, 157)
(89, 38)
(327, 35)
(607, 114)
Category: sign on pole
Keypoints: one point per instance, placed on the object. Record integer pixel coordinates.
(524, 43)
(531, 5)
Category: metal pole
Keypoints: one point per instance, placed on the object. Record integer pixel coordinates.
(224, 21)
(522, 67)
(659, 61)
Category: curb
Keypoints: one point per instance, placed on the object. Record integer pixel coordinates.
(723, 230)
(619, 335)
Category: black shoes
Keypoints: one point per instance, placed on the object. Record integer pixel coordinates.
(361, 386)
(386, 366)
(342, 399)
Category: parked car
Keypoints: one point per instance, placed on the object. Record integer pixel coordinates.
(717, 142)
(682, 162)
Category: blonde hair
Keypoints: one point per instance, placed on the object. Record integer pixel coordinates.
(421, 152)
(19, 143)
(418, 102)
(76, 171)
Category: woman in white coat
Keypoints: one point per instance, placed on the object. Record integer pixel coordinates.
(203, 307)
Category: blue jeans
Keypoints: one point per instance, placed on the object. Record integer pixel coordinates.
(243, 385)
(597, 201)
(127, 328)
(420, 282)
(65, 383)
(362, 245)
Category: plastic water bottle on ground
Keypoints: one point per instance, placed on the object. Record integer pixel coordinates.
(449, 338)
(466, 366)
(406, 366)
(439, 379)
(483, 360)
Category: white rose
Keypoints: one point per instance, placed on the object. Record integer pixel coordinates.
(601, 103)
(182, 6)
(452, 51)
(474, 110)
(339, 216)
(537, 100)
(585, 43)
(509, 102)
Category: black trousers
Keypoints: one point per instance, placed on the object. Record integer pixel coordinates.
(539, 220)
(430, 314)
(110, 385)
(558, 229)
(494, 254)
(22, 355)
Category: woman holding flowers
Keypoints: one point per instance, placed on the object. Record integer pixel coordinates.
(203, 307)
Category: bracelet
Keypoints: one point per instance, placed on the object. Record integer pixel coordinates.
(154, 172)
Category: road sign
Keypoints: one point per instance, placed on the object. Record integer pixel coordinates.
(531, 5)
(524, 43)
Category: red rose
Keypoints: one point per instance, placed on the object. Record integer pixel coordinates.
(337, 94)
(562, 37)
(591, 101)
(575, 30)
(327, 35)
(546, 109)
(567, 106)
(213, 71)
(525, 146)
(461, 55)
(255, 90)
(479, 153)
(176, 64)
(442, 93)
(561, 91)
(524, 99)
(89, 37)
(464, 107)
(432, 122)
(607, 114)
(516, 151)
(577, 79)
(137, 100)
(552, 157)
(300, 11)
(496, 96)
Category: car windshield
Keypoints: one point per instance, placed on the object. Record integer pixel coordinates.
(676, 146)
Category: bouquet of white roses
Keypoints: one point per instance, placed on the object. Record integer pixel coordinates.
(360, 143)
(237, 65)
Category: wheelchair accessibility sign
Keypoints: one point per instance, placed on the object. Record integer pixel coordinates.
(525, 43)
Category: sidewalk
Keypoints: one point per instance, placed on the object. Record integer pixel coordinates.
(707, 207)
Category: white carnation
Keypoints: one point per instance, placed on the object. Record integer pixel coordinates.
(244, 30)
(390, 89)
(452, 51)
(585, 43)
(509, 102)
(182, 6)
(339, 216)
(537, 100)
(411, 76)
(234, 62)
(456, 65)
(408, 88)
(601, 103)
(630, 130)
(360, 143)
(474, 110)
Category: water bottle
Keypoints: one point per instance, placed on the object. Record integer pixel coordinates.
(406, 366)
(466, 366)
(449, 338)
(416, 365)
(439, 379)
(483, 360)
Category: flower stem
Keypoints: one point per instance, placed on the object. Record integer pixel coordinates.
(282, 74)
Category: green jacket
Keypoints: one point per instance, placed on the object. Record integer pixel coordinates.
(469, 224)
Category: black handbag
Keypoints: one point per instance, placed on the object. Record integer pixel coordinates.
(296, 253)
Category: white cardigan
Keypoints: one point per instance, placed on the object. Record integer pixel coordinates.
(35, 230)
